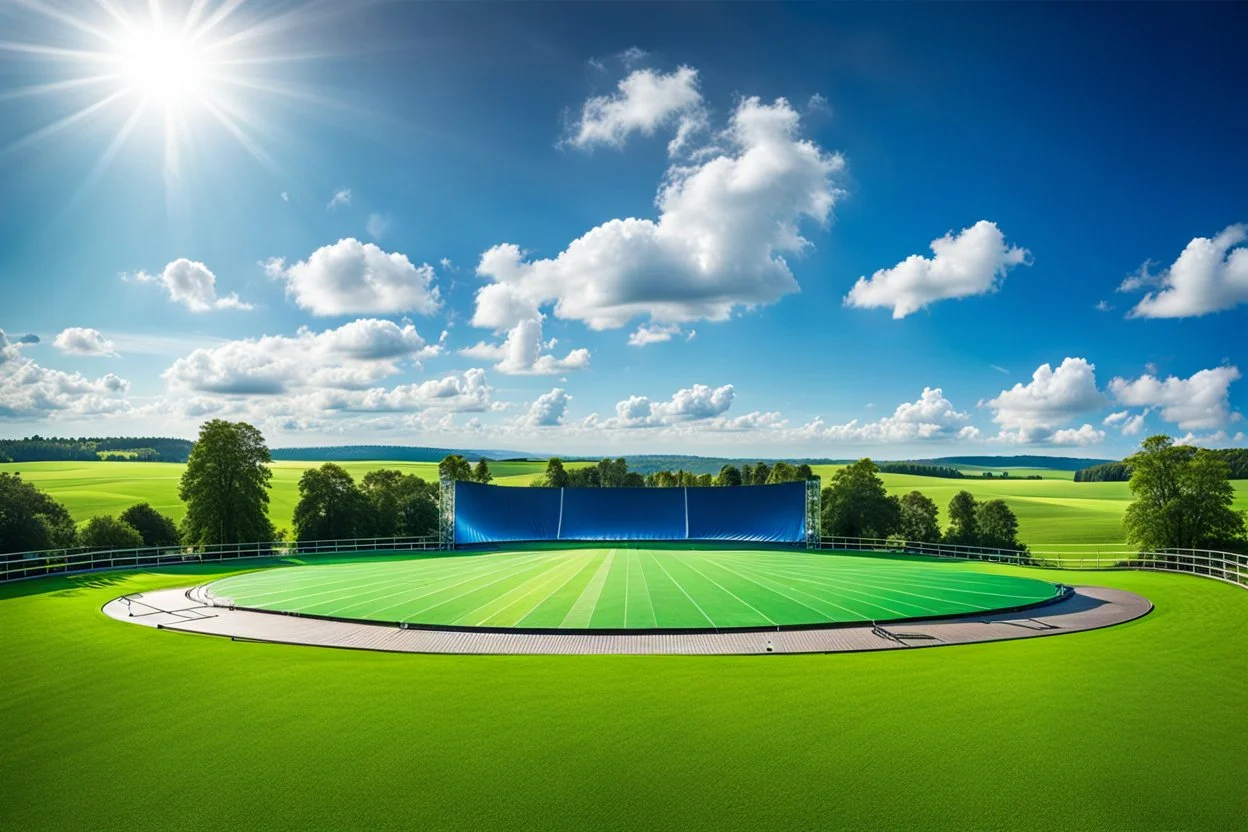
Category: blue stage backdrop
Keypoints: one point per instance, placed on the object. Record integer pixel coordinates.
(500, 514)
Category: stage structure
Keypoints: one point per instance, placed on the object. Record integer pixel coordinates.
(473, 514)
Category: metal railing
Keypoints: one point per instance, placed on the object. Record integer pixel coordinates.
(21, 565)
(1223, 566)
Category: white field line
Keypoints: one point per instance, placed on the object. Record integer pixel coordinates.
(681, 588)
(840, 590)
(775, 591)
(408, 596)
(523, 590)
(722, 588)
(646, 585)
(578, 571)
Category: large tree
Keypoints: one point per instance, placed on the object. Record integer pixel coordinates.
(481, 473)
(761, 472)
(612, 473)
(330, 506)
(556, 474)
(919, 521)
(155, 528)
(403, 505)
(107, 532)
(728, 475)
(998, 527)
(455, 467)
(782, 472)
(1183, 498)
(856, 504)
(30, 520)
(226, 486)
(963, 523)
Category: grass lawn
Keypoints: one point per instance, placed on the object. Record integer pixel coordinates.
(1053, 513)
(107, 726)
(597, 588)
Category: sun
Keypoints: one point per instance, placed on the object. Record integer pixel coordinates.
(165, 67)
(177, 67)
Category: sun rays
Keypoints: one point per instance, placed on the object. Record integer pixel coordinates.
(163, 67)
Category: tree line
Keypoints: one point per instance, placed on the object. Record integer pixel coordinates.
(1236, 460)
(135, 449)
(614, 473)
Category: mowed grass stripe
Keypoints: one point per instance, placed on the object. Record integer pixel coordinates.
(509, 608)
(583, 609)
(551, 612)
(640, 611)
(673, 606)
(609, 611)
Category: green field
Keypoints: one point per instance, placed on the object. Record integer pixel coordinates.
(1053, 513)
(633, 588)
(109, 726)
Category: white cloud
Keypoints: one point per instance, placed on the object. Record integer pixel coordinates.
(77, 340)
(351, 277)
(352, 356)
(285, 197)
(522, 352)
(548, 410)
(1198, 402)
(1209, 275)
(1104, 306)
(654, 334)
(342, 196)
(377, 225)
(932, 416)
(1127, 424)
(1078, 437)
(724, 225)
(30, 391)
(644, 101)
(467, 392)
(1032, 412)
(193, 285)
(1211, 440)
(972, 263)
(689, 404)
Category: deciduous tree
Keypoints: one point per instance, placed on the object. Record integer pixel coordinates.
(856, 504)
(107, 532)
(330, 506)
(1183, 498)
(919, 520)
(226, 486)
(155, 528)
(30, 519)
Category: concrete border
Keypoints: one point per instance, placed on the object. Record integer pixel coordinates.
(188, 611)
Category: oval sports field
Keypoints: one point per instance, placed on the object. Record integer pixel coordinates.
(604, 589)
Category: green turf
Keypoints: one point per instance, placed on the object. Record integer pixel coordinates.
(1053, 513)
(109, 726)
(632, 588)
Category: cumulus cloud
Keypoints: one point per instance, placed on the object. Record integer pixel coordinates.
(352, 356)
(974, 262)
(1034, 411)
(1078, 437)
(1209, 275)
(689, 404)
(654, 334)
(932, 416)
(77, 340)
(1127, 424)
(724, 225)
(351, 277)
(467, 392)
(643, 102)
(1210, 440)
(30, 391)
(523, 352)
(1201, 401)
(193, 285)
(547, 410)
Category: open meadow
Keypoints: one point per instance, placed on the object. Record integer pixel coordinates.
(1054, 513)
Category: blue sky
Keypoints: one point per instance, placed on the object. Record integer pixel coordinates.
(732, 229)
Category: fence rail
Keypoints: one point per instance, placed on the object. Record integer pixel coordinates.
(1223, 566)
(17, 566)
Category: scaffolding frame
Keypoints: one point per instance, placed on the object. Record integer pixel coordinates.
(814, 512)
(446, 513)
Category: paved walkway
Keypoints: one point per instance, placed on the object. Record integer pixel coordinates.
(187, 610)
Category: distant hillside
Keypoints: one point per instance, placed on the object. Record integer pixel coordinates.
(1057, 463)
(390, 453)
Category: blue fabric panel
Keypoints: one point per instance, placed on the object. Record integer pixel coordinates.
(766, 513)
(623, 514)
(494, 513)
